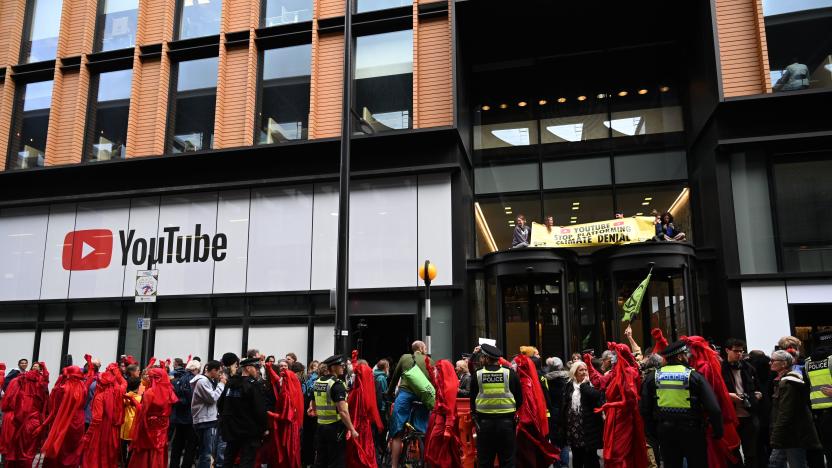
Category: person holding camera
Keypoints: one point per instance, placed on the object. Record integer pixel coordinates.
(744, 389)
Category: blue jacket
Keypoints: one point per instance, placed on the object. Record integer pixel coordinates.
(182, 386)
(381, 388)
(306, 387)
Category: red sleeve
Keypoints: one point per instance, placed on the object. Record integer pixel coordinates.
(594, 375)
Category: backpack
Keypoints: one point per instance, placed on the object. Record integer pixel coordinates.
(419, 382)
(182, 388)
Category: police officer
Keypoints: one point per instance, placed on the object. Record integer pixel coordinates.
(675, 400)
(818, 372)
(498, 396)
(243, 411)
(330, 407)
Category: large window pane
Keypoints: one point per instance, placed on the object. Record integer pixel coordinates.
(370, 5)
(109, 114)
(42, 41)
(194, 106)
(28, 143)
(576, 173)
(505, 134)
(284, 99)
(510, 178)
(673, 199)
(799, 49)
(384, 79)
(578, 207)
(803, 196)
(752, 214)
(116, 25)
(650, 167)
(495, 218)
(199, 18)
(287, 11)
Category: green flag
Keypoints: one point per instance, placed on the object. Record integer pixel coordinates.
(633, 304)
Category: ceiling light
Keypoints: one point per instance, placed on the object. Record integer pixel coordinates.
(645, 203)
(573, 222)
(601, 96)
(486, 108)
(582, 98)
(622, 93)
(576, 208)
(562, 100)
(639, 214)
(642, 91)
(522, 104)
(503, 106)
(664, 89)
(576, 203)
(509, 212)
(573, 217)
(542, 102)
(507, 208)
(648, 198)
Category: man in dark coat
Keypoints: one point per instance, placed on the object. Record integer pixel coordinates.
(243, 410)
(741, 381)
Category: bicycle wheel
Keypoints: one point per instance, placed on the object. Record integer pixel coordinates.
(413, 451)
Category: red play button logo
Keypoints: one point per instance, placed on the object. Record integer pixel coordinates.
(90, 249)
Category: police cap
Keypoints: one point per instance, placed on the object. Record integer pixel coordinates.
(491, 351)
(677, 347)
(334, 360)
(249, 362)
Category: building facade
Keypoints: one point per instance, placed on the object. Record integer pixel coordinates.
(200, 138)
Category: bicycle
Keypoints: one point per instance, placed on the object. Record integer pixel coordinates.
(413, 444)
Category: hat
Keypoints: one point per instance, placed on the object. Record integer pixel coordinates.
(229, 359)
(491, 351)
(677, 347)
(336, 360)
(823, 338)
(249, 362)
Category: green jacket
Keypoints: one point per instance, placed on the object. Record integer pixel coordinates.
(405, 364)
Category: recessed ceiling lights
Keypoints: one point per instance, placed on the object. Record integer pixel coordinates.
(645, 203)
(562, 100)
(664, 89)
(542, 102)
(486, 108)
(576, 203)
(582, 98)
(573, 222)
(639, 214)
(573, 217)
(622, 93)
(642, 91)
(601, 96)
(503, 106)
(648, 198)
(522, 103)
(507, 208)
(576, 208)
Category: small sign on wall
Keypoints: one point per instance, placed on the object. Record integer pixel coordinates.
(147, 285)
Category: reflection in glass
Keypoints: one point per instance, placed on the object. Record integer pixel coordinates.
(109, 114)
(42, 42)
(505, 135)
(287, 11)
(576, 173)
(650, 167)
(516, 316)
(646, 121)
(575, 128)
(116, 24)
(506, 178)
(797, 37)
(199, 18)
(284, 99)
(752, 213)
(371, 5)
(495, 219)
(31, 123)
(384, 79)
(194, 105)
(664, 306)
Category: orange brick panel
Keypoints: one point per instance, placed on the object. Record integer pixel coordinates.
(6, 103)
(434, 74)
(233, 104)
(742, 48)
(65, 112)
(11, 24)
(155, 21)
(331, 8)
(77, 27)
(144, 103)
(240, 14)
(327, 82)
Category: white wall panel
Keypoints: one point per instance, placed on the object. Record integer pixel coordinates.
(324, 341)
(22, 237)
(100, 343)
(50, 353)
(766, 314)
(325, 237)
(144, 219)
(232, 220)
(280, 239)
(383, 233)
(227, 340)
(809, 292)
(435, 226)
(55, 282)
(111, 215)
(278, 340)
(185, 212)
(16, 345)
(180, 342)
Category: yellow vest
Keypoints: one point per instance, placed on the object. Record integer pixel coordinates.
(820, 375)
(324, 406)
(673, 388)
(494, 395)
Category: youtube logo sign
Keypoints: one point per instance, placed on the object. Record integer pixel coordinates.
(90, 249)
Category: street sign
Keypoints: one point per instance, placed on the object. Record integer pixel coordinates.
(147, 285)
(143, 323)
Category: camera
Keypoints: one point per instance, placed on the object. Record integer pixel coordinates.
(746, 402)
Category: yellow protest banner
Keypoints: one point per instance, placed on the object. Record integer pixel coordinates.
(612, 232)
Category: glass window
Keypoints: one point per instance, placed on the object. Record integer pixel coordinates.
(28, 144)
(108, 115)
(578, 207)
(752, 213)
(287, 11)
(803, 196)
(650, 167)
(799, 49)
(184, 308)
(42, 40)
(575, 118)
(576, 173)
(372, 5)
(505, 134)
(509, 178)
(673, 199)
(199, 18)
(384, 79)
(194, 105)
(644, 111)
(116, 24)
(284, 98)
(495, 218)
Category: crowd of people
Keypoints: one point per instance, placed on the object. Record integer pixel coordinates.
(673, 405)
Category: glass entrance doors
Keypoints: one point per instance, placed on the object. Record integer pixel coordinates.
(533, 314)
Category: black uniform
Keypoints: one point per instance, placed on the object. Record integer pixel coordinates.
(243, 419)
(331, 439)
(496, 432)
(681, 434)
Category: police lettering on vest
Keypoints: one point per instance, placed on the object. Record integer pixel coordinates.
(820, 375)
(324, 406)
(494, 395)
(673, 389)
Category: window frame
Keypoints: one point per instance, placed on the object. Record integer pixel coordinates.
(21, 80)
(173, 95)
(95, 71)
(98, 32)
(25, 41)
(179, 13)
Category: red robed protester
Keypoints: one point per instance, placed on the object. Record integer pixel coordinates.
(597, 379)
(442, 442)
(706, 361)
(149, 447)
(659, 341)
(533, 446)
(9, 427)
(361, 451)
(625, 445)
(101, 444)
(287, 419)
(63, 444)
(29, 402)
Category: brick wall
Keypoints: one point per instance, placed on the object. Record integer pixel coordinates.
(743, 53)
(11, 21)
(432, 73)
(6, 103)
(327, 85)
(148, 107)
(236, 96)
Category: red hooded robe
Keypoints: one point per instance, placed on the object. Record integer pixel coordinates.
(63, 444)
(706, 361)
(442, 441)
(150, 428)
(9, 427)
(533, 446)
(361, 452)
(101, 444)
(28, 401)
(287, 419)
(625, 445)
